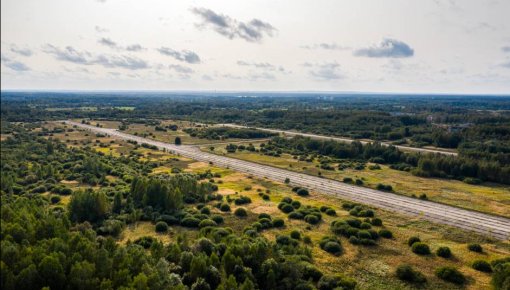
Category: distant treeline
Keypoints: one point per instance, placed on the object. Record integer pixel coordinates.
(219, 133)
(427, 165)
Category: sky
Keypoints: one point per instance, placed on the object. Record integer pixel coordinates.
(406, 46)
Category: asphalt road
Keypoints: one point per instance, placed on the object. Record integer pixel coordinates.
(342, 139)
(489, 225)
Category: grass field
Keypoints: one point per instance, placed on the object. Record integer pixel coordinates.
(373, 267)
(489, 198)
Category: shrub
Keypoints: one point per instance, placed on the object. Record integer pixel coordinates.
(376, 222)
(327, 282)
(365, 226)
(207, 223)
(482, 266)
(287, 208)
(55, 199)
(190, 222)
(287, 200)
(386, 234)
(364, 235)
(331, 245)
(240, 212)
(311, 219)
(470, 180)
(278, 223)
(295, 204)
(450, 274)
(413, 240)
(296, 215)
(331, 212)
(295, 235)
(367, 242)
(475, 248)
(303, 192)
(408, 274)
(354, 240)
(161, 227)
(225, 207)
(359, 181)
(218, 219)
(420, 248)
(242, 200)
(307, 240)
(347, 180)
(384, 187)
(444, 252)
(264, 216)
(287, 180)
(66, 191)
(501, 275)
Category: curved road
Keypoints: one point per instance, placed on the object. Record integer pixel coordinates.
(492, 226)
(341, 139)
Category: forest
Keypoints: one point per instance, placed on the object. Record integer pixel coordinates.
(68, 204)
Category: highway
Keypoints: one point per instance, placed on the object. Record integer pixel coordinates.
(341, 139)
(485, 224)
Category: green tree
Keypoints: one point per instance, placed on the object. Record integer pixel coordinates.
(52, 273)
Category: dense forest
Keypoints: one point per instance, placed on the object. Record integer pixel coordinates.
(47, 245)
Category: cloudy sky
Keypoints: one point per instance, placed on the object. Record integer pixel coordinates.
(427, 46)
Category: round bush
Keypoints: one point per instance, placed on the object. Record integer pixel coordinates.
(207, 223)
(408, 274)
(303, 192)
(225, 207)
(190, 222)
(420, 248)
(205, 210)
(364, 235)
(240, 212)
(295, 235)
(376, 222)
(55, 199)
(307, 240)
(295, 204)
(354, 240)
(331, 212)
(385, 234)
(161, 227)
(482, 266)
(475, 248)
(278, 223)
(287, 208)
(311, 219)
(333, 248)
(218, 219)
(287, 200)
(264, 216)
(444, 252)
(413, 240)
(296, 215)
(450, 274)
(365, 226)
(66, 191)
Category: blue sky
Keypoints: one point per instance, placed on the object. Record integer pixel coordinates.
(422, 46)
